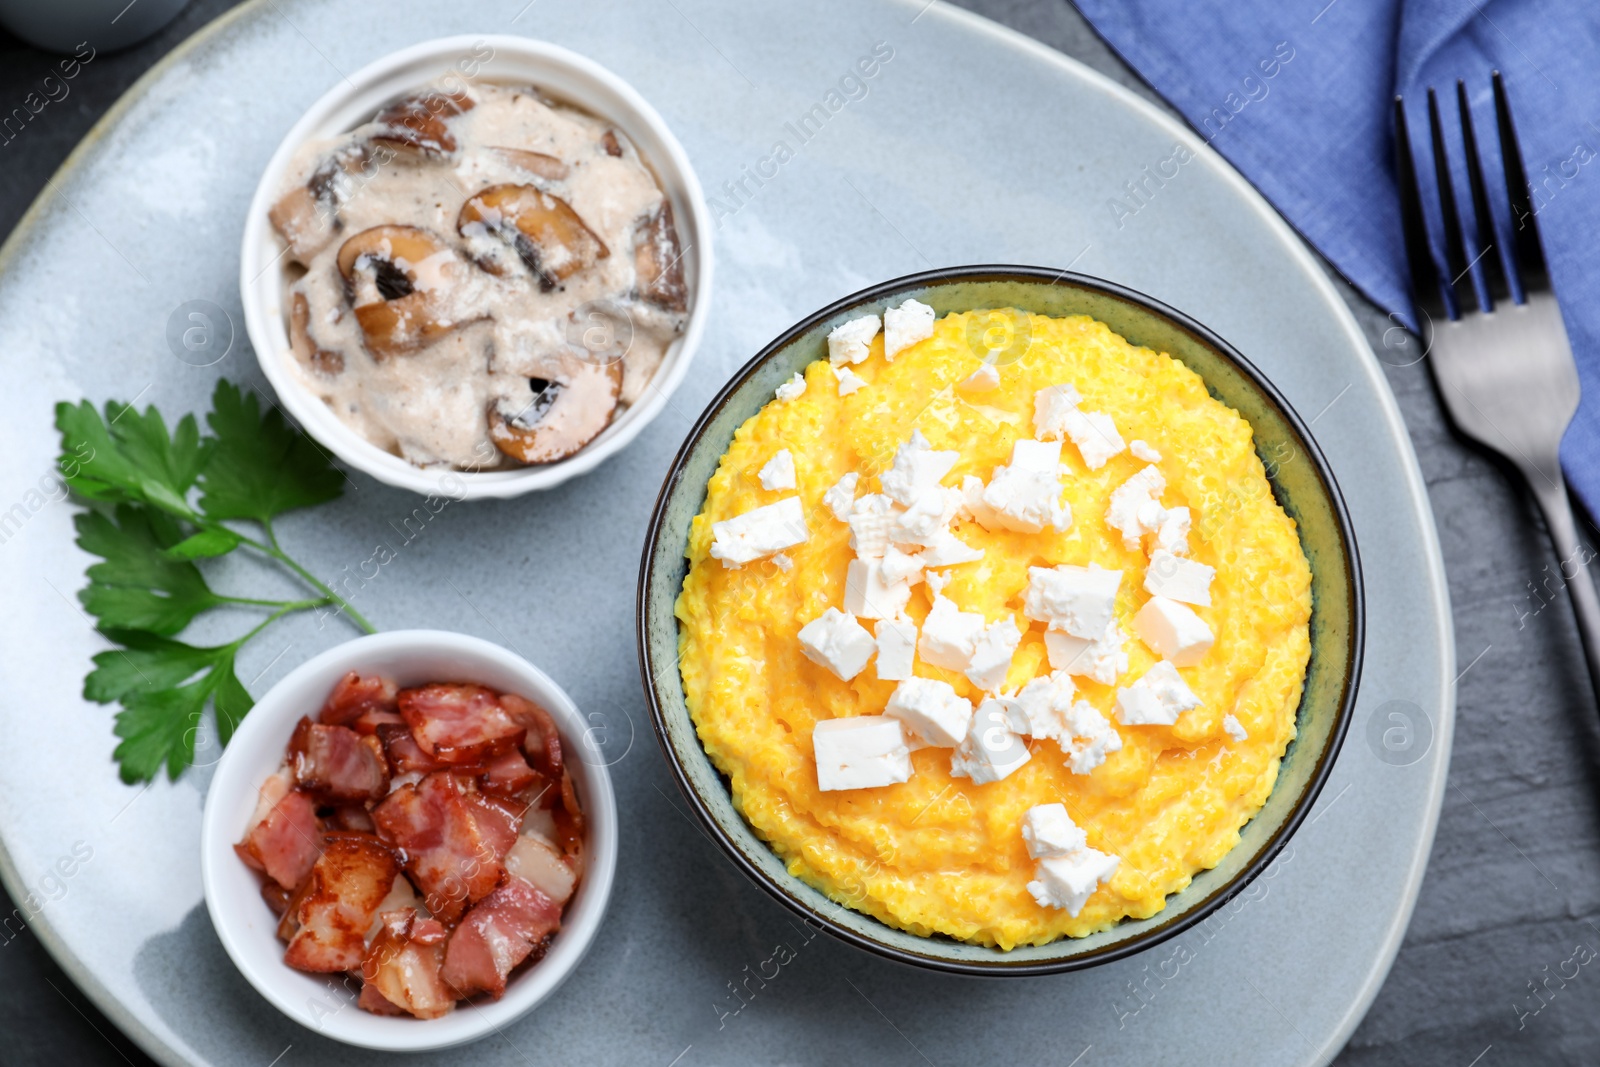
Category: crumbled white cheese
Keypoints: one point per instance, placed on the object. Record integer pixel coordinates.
(1076, 600)
(863, 752)
(1041, 707)
(1026, 495)
(901, 566)
(931, 712)
(1069, 881)
(1173, 631)
(947, 550)
(1102, 659)
(917, 469)
(793, 388)
(982, 380)
(991, 654)
(782, 562)
(1177, 578)
(1157, 699)
(972, 490)
(759, 532)
(872, 520)
(1234, 728)
(841, 498)
(1135, 508)
(897, 648)
(779, 471)
(869, 594)
(851, 342)
(1142, 450)
(991, 750)
(1173, 533)
(904, 326)
(926, 519)
(849, 380)
(836, 641)
(1048, 831)
(949, 634)
(1056, 415)
(1093, 738)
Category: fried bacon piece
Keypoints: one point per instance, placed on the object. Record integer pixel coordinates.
(354, 695)
(536, 861)
(542, 743)
(405, 755)
(369, 721)
(336, 763)
(349, 881)
(401, 970)
(450, 858)
(283, 838)
(498, 821)
(458, 724)
(507, 775)
(511, 924)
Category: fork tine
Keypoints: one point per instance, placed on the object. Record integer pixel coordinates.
(1455, 256)
(1425, 291)
(1494, 277)
(1526, 249)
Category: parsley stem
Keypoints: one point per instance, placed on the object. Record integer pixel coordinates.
(290, 605)
(272, 549)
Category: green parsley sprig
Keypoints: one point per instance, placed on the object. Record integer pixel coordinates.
(156, 501)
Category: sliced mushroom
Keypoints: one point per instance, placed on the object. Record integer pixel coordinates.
(329, 364)
(398, 279)
(421, 124)
(307, 216)
(542, 229)
(609, 142)
(533, 162)
(659, 262)
(562, 411)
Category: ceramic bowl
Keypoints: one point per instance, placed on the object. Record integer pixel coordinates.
(1301, 481)
(248, 930)
(559, 73)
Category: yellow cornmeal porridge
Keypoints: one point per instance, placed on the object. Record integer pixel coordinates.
(939, 854)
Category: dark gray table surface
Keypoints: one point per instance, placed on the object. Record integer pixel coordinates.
(1500, 963)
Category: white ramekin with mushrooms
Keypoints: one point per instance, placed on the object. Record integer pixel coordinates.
(485, 260)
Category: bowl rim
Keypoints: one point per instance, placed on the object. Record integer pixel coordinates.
(1325, 760)
(673, 171)
(523, 995)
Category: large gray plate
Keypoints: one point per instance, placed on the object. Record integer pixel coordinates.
(971, 145)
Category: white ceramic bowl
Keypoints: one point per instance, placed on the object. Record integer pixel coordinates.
(248, 929)
(520, 60)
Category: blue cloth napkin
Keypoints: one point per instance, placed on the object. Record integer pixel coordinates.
(1298, 95)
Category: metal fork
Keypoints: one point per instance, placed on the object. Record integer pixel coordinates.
(1505, 369)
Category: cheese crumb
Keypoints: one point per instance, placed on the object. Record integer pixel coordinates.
(991, 654)
(991, 750)
(851, 342)
(779, 471)
(1135, 509)
(869, 594)
(841, 498)
(838, 642)
(904, 326)
(947, 550)
(1234, 728)
(792, 389)
(917, 469)
(1080, 601)
(1178, 579)
(1069, 881)
(949, 635)
(1143, 451)
(931, 712)
(1157, 699)
(759, 532)
(864, 752)
(1093, 738)
(1025, 496)
(1056, 415)
(1041, 707)
(1048, 831)
(1173, 631)
(1101, 658)
(897, 648)
(849, 381)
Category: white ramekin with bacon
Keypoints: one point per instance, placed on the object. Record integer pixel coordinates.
(406, 824)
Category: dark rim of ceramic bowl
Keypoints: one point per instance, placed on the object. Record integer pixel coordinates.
(1353, 587)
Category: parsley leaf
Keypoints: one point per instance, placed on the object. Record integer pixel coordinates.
(144, 662)
(129, 457)
(261, 466)
(135, 587)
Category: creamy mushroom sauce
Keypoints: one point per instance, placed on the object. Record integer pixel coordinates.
(475, 321)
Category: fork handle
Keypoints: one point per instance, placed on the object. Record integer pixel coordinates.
(1573, 566)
